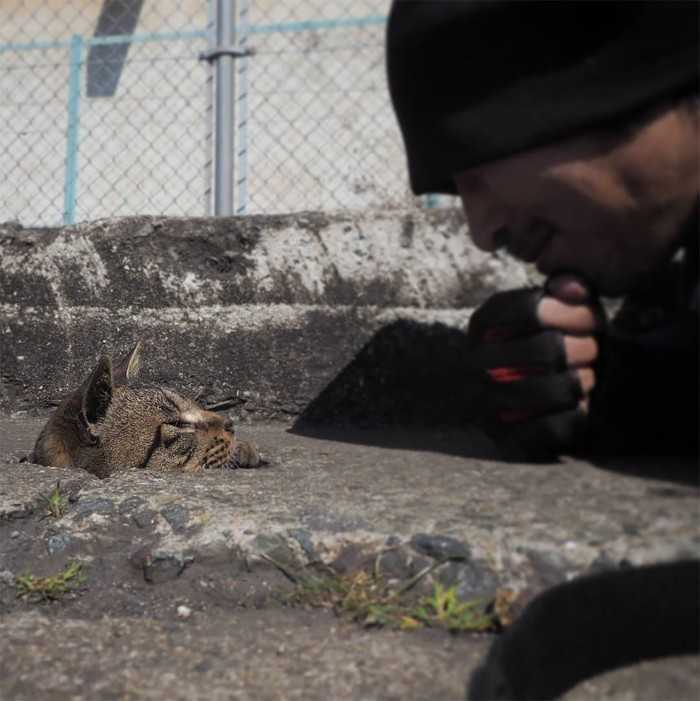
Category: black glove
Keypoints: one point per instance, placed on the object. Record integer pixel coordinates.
(532, 395)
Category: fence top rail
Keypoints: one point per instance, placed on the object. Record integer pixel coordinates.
(146, 37)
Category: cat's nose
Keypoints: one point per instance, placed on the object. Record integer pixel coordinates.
(228, 425)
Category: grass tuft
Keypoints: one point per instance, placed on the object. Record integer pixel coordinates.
(50, 588)
(56, 504)
(445, 609)
(367, 599)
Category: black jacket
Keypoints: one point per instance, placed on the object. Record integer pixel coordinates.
(646, 400)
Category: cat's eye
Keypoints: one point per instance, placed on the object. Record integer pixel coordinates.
(177, 440)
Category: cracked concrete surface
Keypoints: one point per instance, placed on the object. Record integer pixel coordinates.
(152, 543)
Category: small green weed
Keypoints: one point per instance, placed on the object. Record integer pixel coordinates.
(445, 609)
(56, 504)
(367, 599)
(53, 587)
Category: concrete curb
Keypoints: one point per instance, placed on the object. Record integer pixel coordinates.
(268, 309)
(404, 259)
(445, 497)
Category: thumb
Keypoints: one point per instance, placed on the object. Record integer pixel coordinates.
(571, 306)
(569, 288)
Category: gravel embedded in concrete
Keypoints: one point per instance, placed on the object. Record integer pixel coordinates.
(154, 545)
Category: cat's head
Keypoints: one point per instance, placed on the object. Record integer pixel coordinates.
(108, 425)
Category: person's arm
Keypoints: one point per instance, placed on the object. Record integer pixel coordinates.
(647, 398)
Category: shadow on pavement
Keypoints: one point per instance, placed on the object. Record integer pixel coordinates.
(410, 387)
(407, 374)
(678, 469)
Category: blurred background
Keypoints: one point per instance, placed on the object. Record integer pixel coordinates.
(109, 108)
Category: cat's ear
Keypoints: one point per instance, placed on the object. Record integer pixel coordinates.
(129, 366)
(97, 395)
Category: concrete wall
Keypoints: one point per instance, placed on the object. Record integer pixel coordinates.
(268, 314)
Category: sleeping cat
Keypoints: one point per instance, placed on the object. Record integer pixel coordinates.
(106, 425)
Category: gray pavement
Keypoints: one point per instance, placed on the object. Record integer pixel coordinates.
(151, 543)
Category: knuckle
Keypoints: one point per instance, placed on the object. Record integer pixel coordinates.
(553, 313)
(580, 349)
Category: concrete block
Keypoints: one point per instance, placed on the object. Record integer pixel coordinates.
(273, 315)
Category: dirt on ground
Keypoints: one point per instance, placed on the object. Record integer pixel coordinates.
(183, 582)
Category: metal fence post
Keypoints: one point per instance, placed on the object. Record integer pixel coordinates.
(223, 170)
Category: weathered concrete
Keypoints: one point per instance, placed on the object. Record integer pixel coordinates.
(268, 655)
(153, 542)
(359, 363)
(340, 318)
(524, 525)
(262, 312)
(227, 655)
(402, 259)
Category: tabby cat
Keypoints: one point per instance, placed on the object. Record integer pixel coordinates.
(106, 425)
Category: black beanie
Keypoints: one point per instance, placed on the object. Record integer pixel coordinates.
(473, 81)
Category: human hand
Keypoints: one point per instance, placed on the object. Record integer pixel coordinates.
(536, 351)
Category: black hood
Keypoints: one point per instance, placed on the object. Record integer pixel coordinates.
(474, 81)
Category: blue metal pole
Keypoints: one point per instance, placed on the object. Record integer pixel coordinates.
(209, 111)
(242, 140)
(71, 168)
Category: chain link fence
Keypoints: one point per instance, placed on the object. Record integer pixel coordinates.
(108, 109)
